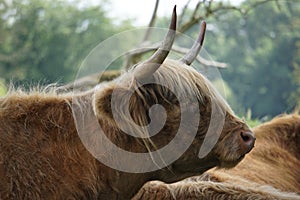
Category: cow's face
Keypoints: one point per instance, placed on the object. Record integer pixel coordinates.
(222, 139)
(188, 106)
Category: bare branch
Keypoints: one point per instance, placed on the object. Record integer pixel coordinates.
(90, 81)
(152, 21)
(211, 10)
(81, 84)
(180, 18)
(193, 19)
(183, 28)
(196, 9)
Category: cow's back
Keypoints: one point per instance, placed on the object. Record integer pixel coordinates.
(41, 154)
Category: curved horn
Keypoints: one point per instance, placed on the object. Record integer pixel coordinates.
(194, 51)
(148, 67)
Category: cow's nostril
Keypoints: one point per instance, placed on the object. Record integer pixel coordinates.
(245, 137)
(247, 140)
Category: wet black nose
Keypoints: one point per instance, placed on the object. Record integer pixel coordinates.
(247, 141)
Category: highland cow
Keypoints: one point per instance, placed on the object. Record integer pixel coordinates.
(43, 157)
(270, 171)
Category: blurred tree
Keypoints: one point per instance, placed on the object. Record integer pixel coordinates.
(261, 49)
(295, 96)
(259, 40)
(47, 39)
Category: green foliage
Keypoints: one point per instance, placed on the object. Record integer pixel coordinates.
(46, 40)
(253, 122)
(295, 96)
(262, 50)
(3, 89)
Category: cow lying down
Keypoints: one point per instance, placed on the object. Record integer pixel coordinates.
(270, 171)
(43, 157)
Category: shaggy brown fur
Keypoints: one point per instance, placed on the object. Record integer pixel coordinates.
(270, 171)
(42, 157)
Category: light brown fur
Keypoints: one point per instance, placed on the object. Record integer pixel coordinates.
(270, 171)
(275, 160)
(42, 156)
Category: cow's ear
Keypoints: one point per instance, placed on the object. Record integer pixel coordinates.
(102, 102)
(114, 102)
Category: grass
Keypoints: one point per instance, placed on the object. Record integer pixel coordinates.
(3, 89)
(253, 122)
